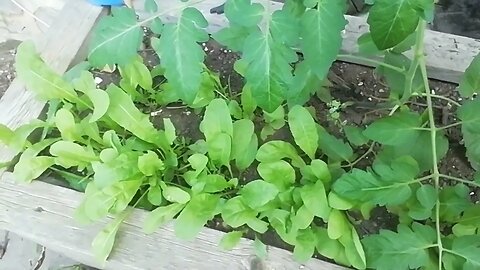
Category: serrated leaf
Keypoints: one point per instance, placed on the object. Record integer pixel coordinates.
(338, 224)
(355, 136)
(304, 131)
(321, 32)
(150, 163)
(257, 193)
(99, 98)
(392, 21)
(236, 213)
(468, 247)
(384, 185)
(39, 77)
(280, 173)
(160, 216)
(115, 39)
(336, 149)
(197, 212)
(182, 56)
(315, 199)
(230, 240)
(470, 81)
(406, 249)
(394, 130)
(102, 244)
(277, 150)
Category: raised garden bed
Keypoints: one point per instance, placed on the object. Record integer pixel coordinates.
(45, 213)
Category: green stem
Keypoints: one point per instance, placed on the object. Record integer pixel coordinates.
(440, 97)
(355, 58)
(461, 180)
(450, 126)
(370, 150)
(420, 60)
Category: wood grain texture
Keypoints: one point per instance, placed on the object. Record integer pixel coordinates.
(43, 213)
(447, 55)
(58, 47)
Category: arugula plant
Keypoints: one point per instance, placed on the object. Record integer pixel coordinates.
(308, 189)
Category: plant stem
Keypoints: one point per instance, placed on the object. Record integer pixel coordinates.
(450, 126)
(351, 57)
(370, 150)
(440, 97)
(461, 180)
(419, 58)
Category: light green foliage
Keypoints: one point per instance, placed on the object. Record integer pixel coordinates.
(277, 150)
(470, 82)
(230, 240)
(99, 99)
(160, 216)
(394, 130)
(102, 245)
(304, 131)
(258, 193)
(468, 113)
(336, 149)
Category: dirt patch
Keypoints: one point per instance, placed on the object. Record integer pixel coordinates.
(7, 71)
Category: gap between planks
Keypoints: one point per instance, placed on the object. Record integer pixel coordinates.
(447, 55)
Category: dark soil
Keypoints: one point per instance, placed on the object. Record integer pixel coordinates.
(7, 56)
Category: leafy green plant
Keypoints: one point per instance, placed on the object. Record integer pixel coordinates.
(311, 189)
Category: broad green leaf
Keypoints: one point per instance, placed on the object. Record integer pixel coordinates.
(304, 84)
(336, 149)
(338, 224)
(275, 119)
(149, 163)
(65, 123)
(182, 56)
(151, 6)
(115, 39)
(394, 130)
(470, 117)
(102, 244)
(258, 225)
(468, 247)
(317, 170)
(354, 249)
(160, 216)
(321, 32)
(99, 98)
(304, 245)
(315, 199)
(236, 213)
(72, 152)
(427, 196)
(260, 248)
(280, 173)
(246, 158)
(406, 249)
(355, 136)
(6, 134)
(243, 138)
(30, 166)
(75, 71)
(366, 46)
(391, 22)
(233, 36)
(219, 149)
(257, 193)
(235, 109)
(302, 219)
(384, 185)
(463, 230)
(169, 130)
(470, 81)
(175, 194)
(277, 150)
(197, 212)
(248, 103)
(122, 167)
(285, 27)
(230, 240)
(214, 183)
(453, 201)
(123, 112)
(19, 141)
(278, 219)
(122, 193)
(198, 162)
(326, 246)
(471, 216)
(337, 202)
(216, 120)
(304, 130)
(135, 73)
(39, 77)
(243, 12)
(154, 195)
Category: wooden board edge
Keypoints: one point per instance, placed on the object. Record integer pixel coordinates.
(44, 213)
(447, 55)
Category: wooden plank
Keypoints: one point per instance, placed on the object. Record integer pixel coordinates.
(43, 213)
(447, 55)
(58, 48)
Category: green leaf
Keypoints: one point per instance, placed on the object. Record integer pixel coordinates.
(326, 246)
(260, 248)
(243, 141)
(427, 196)
(248, 103)
(197, 212)
(219, 149)
(304, 130)
(125, 113)
(102, 245)
(216, 120)
(317, 170)
(72, 154)
(394, 130)
(275, 119)
(151, 6)
(391, 22)
(236, 213)
(198, 162)
(175, 194)
(471, 216)
(302, 219)
(135, 73)
(246, 158)
(39, 77)
(160, 216)
(115, 39)
(232, 37)
(468, 113)
(182, 56)
(470, 81)
(99, 98)
(338, 224)
(453, 201)
(315, 199)
(385, 185)
(321, 32)
(468, 247)
(354, 250)
(355, 136)
(257, 193)
(243, 12)
(304, 246)
(154, 195)
(339, 203)
(406, 249)
(169, 130)
(29, 165)
(6, 134)
(280, 173)
(305, 83)
(336, 149)
(65, 123)
(149, 163)
(230, 240)
(277, 150)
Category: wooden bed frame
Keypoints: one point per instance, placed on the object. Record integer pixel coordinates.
(43, 212)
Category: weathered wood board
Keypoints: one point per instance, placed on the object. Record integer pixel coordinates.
(44, 213)
(447, 55)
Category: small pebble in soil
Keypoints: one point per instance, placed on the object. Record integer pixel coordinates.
(360, 83)
(98, 80)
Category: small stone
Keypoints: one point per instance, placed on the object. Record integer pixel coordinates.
(98, 80)
(369, 99)
(205, 49)
(360, 83)
(381, 90)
